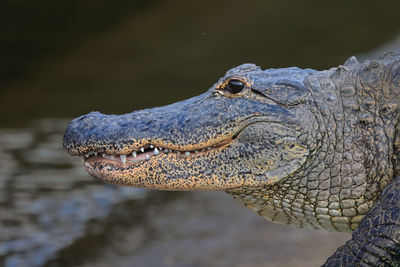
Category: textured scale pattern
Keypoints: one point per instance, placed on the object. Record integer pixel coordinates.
(376, 242)
(356, 114)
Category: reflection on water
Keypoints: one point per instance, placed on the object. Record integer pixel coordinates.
(46, 198)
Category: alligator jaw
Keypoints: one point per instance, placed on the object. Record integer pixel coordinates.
(131, 169)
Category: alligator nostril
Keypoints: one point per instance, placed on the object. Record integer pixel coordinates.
(81, 118)
(92, 114)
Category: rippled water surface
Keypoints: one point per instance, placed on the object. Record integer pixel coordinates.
(47, 200)
(63, 59)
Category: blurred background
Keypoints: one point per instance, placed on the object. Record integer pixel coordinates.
(61, 59)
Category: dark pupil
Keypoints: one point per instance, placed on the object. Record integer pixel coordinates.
(235, 86)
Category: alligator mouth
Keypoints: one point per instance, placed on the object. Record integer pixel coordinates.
(146, 153)
(156, 163)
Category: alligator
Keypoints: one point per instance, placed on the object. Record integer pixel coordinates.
(313, 149)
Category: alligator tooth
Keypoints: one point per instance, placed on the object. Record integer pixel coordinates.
(208, 148)
(82, 159)
(112, 157)
(134, 154)
(87, 155)
(147, 157)
(196, 151)
(160, 148)
(142, 149)
(151, 146)
(95, 153)
(103, 155)
(123, 158)
(178, 152)
(187, 153)
(156, 152)
(166, 150)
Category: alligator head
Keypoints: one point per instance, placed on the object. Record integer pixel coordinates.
(297, 146)
(251, 128)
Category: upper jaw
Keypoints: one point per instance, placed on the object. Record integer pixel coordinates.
(189, 125)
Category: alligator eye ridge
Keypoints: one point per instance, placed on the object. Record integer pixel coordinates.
(235, 86)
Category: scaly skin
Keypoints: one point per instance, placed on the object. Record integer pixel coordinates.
(302, 147)
(376, 241)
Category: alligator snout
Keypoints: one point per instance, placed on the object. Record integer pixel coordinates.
(86, 131)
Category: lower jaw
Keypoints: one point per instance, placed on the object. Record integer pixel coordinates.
(99, 166)
(142, 176)
(159, 173)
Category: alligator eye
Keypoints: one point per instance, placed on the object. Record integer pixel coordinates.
(235, 86)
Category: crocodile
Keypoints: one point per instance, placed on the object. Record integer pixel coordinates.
(313, 149)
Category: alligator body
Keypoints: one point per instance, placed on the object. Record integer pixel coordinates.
(315, 149)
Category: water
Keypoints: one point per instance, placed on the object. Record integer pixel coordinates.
(47, 200)
(60, 60)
